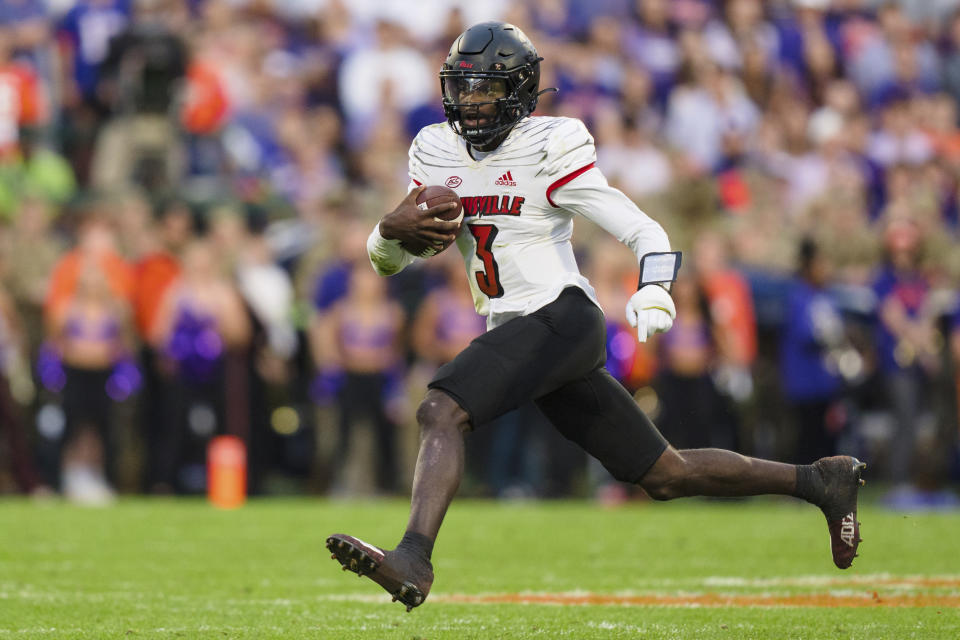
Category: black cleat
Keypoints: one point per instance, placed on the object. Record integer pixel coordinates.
(404, 575)
(841, 482)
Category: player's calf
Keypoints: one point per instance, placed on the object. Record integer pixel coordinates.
(668, 477)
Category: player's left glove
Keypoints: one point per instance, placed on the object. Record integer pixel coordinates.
(651, 310)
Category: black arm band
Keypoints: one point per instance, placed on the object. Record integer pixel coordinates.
(659, 268)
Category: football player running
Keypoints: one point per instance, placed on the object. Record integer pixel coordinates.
(522, 179)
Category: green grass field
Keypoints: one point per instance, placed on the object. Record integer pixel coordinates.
(688, 569)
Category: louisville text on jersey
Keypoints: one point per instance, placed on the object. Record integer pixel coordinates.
(492, 205)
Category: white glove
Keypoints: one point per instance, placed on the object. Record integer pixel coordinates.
(651, 310)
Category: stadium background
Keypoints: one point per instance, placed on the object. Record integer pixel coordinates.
(186, 187)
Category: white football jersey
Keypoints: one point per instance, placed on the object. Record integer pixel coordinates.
(519, 203)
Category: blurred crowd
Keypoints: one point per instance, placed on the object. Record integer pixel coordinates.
(186, 187)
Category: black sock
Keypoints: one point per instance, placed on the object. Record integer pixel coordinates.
(809, 483)
(417, 542)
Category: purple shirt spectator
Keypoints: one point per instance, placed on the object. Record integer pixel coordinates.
(16, 11)
(657, 51)
(331, 285)
(27, 22)
(89, 25)
(811, 314)
(911, 290)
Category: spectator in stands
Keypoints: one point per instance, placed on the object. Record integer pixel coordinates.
(23, 102)
(728, 294)
(390, 73)
(35, 171)
(707, 113)
(362, 338)
(951, 63)
(13, 431)
(813, 331)
(688, 356)
(898, 140)
(890, 52)
(91, 334)
(157, 269)
(138, 82)
(85, 32)
(740, 25)
(96, 243)
(954, 337)
(268, 297)
(27, 27)
(906, 341)
(201, 320)
(268, 293)
(629, 158)
(32, 253)
(313, 142)
(651, 42)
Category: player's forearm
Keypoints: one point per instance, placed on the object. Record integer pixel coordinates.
(591, 196)
(631, 225)
(648, 237)
(386, 256)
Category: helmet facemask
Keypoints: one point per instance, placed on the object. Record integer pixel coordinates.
(482, 106)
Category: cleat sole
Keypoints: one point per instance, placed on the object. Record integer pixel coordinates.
(358, 559)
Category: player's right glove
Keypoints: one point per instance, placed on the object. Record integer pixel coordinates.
(651, 310)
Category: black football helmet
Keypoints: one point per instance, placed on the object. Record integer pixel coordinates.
(491, 63)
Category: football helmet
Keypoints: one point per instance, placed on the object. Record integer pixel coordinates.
(489, 81)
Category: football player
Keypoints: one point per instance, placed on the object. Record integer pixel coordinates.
(522, 180)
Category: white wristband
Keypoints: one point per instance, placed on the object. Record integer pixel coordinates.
(659, 267)
(386, 256)
(380, 244)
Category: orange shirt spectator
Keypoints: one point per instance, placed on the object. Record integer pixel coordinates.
(206, 106)
(153, 276)
(732, 308)
(731, 303)
(21, 103)
(96, 244)
(66, 273)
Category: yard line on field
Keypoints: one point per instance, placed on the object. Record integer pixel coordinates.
(877, 580)
(829, 600)
(854, 592)
(354, 597)
(59, 631)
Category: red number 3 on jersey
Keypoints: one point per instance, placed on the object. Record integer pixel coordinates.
(489, 279)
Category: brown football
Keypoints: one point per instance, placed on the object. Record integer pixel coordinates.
(438, 194)
(432, 196)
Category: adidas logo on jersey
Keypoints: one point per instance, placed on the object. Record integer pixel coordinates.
(506, 180)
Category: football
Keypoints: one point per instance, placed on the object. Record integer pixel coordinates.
(430, 197)
(437, 194)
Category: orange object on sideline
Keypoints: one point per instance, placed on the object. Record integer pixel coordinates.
(227, 472)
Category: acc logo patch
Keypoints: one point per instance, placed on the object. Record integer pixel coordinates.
(453, 182)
